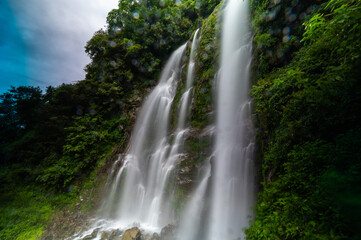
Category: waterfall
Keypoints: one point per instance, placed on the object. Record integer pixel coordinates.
(140, 192)
(192, 218)
(232, 192)
(223, 212)
(189, 84)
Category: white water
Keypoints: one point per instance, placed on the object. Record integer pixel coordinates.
(232, 193)
(142, 188)
(185, 100)
(141, 192)
(192, 219)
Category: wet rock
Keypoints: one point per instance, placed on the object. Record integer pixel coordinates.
(88, 237)
(105, 236)
(115, 238)
(168, 232)
(92, 235)
(150, 236)
(132, 234)
(116, 234)
(145, 235)
(155, 236)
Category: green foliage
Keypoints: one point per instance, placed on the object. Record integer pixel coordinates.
(309, 120)
(139, 36)
(55, 140)
(205, 72)
(336, 15)
(87, 140)
(198, 149)
(279, 31)
(25, 210)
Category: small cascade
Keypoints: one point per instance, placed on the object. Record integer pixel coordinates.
(181, 129)
(185, 100)
(192, 219)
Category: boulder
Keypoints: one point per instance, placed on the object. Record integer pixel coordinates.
(150, 236)
(146, 235)
(105, 236)
(168, 232)
(112, 235)
(116, 234)
(155, 236)
(132, 234)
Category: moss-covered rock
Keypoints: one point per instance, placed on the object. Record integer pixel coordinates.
(132, 234)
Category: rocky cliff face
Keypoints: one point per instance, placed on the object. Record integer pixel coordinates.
(197, 146)
(295, 82)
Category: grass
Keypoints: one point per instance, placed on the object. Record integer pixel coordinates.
(26, 210)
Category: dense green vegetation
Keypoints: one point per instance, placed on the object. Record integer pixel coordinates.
(52, 141)
(49, 146)
(26, 210)
(206, 70)
(308, 110)
(307, 92)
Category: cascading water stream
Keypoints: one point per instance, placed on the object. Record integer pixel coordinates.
(140, 191)
(181, 130)
(232, 192)
(190, 225)
(138, 194)
(185, 100)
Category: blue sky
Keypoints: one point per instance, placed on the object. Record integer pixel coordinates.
(12, 50)
(42, 41)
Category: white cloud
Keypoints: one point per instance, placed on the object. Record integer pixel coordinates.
(56, 32)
